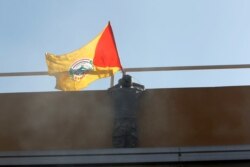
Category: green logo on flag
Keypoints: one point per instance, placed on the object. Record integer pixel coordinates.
(79, 68)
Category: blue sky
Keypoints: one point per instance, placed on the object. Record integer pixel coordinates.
(148, 33)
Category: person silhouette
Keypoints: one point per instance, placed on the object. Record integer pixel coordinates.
(125, 96)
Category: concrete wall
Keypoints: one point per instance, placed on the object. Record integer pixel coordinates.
(195, 117)
(167, 117)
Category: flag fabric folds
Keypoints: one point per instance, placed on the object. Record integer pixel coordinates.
(76, 70)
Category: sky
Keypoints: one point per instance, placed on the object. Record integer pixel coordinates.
(148, 33)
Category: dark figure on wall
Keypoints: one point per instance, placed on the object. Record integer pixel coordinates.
(125, 96)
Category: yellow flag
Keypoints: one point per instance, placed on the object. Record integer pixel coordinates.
(76, 70)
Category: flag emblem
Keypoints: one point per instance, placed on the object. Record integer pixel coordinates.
(80, 68)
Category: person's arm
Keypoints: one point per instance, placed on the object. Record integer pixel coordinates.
(138, 86)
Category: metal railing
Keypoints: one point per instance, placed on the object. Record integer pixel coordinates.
(128, 156)
(142, 69)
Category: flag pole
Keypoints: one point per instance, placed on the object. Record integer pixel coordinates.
(123, 72)
(112, 81)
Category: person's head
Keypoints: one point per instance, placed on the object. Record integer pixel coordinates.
(126, 81)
